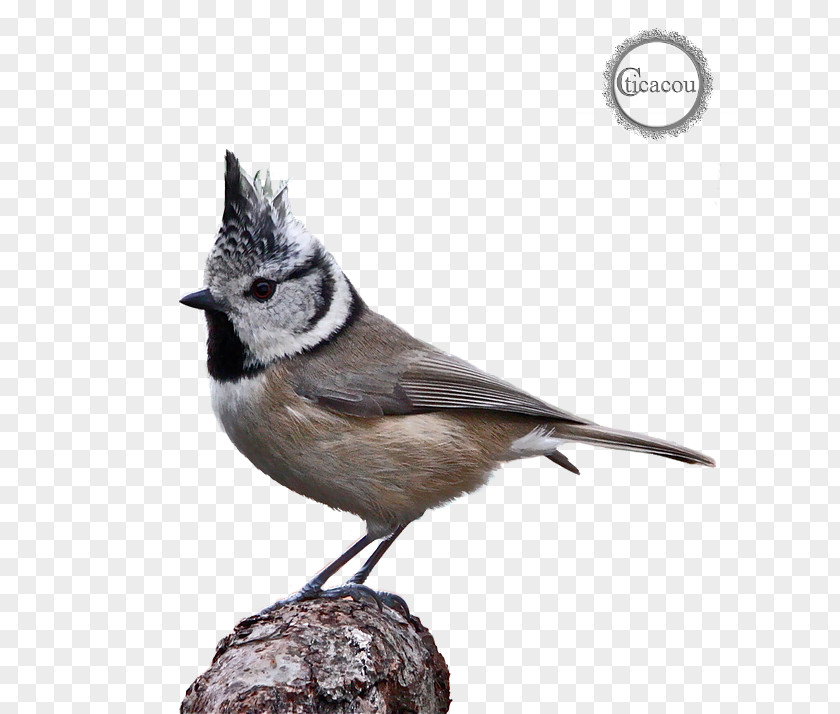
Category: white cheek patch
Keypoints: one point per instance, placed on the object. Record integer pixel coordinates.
(278, 334)
(536, 442)
(338, 312)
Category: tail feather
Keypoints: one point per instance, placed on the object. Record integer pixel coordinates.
(630, 441)
(562, 460)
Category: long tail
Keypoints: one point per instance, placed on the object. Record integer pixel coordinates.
(629, 441)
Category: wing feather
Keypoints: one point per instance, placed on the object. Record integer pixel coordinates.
(423, 381)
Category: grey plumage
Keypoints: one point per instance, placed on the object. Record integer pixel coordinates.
(417, 379)
(338, 403)
(630, 441)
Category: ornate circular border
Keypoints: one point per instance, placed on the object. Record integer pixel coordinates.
(703, 73)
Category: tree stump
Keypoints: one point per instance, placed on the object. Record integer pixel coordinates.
(328, 656)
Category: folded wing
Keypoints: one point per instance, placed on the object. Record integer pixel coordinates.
(423, 381)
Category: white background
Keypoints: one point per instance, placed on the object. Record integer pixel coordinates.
(462, 166)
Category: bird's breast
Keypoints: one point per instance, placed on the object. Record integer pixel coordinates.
(238, 406)
(234, 401)
(386, 469)
(277, 430)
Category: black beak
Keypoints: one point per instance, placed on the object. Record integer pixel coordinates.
(202, 300)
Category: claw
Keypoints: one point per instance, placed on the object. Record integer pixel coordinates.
(395, 602)
(362, 593)
(359, 593)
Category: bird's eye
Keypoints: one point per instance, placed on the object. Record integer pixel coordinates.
(263, 289)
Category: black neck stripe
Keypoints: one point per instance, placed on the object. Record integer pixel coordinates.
(324, 298)
(357, 307)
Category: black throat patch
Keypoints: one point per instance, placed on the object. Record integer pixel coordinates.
(225, 352)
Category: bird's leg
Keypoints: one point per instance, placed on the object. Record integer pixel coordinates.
(318, 581)
(360, 577)
(356, 589)
(312, 589)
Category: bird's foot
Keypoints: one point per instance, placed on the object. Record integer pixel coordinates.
(362, 593)
(356, 591)
(305, 593)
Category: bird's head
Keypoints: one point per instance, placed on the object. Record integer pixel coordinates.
(268, 279)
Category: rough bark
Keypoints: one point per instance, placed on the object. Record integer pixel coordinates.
(324, 656)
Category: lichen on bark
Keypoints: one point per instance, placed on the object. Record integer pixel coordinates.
(326, 656)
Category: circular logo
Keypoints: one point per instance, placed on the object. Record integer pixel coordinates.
(658, 84)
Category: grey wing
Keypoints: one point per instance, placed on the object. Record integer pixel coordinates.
(423, 381)
(363, 394)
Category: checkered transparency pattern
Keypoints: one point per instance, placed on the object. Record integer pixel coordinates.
(463, 168)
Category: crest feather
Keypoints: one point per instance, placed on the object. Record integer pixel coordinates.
(257, 224)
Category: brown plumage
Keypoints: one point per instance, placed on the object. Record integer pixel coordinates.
(387, 469)
(333, 424)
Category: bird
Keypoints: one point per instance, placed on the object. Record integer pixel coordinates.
(339, 404)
